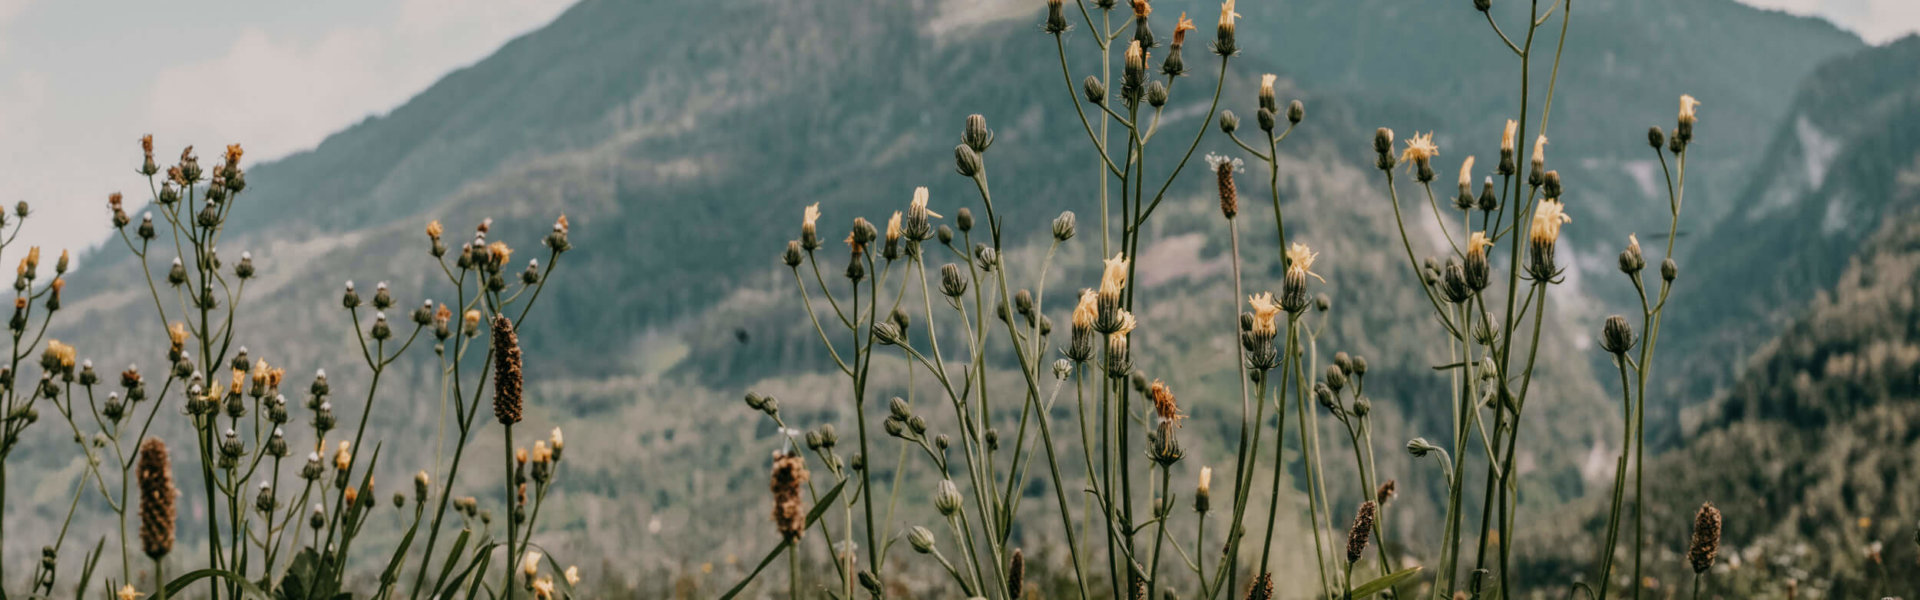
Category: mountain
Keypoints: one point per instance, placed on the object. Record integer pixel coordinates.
(681, 140)
(1839, 167)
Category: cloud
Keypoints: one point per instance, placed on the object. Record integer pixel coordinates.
(1878, 21)
(280, 94)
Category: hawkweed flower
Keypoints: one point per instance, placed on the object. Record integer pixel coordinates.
(918, 226)
(1420, 151)
(1361, 530)
(1683, 132)
(1173, 65)
(1133, 80)
(1478, 271)
(1164, 404)
(156, 498)
(1203, 492)
(1383, 149)
(1223, 170)
(1542, 234)
(1507, 148)
(1056, 17)
(789, 473)
(1616, 335)
(1085, 314)
(1259, 330)
(147, 166)
(1141, 31)
(1118, 363)
(1706, 538)
(1537, 176)
(1631, 260)
(809, 231)
(1465, 200)
(1223, 40)
(1113, 283)
(507, 402)
(1293, 292)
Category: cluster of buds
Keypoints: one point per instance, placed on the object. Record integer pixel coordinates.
(902, 423)
(538, 464)
(766, 404)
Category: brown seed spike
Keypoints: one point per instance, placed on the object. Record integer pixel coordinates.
(789, 473)
(156, 498)
(1229, 195)
(1262, 587)
(1706, 538)
(507, 402)
(1361, 530)
(1016, 575)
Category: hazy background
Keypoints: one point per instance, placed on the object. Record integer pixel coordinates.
(681, 139)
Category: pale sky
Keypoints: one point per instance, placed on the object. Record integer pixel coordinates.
(80, 80)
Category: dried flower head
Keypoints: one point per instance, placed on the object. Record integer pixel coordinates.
(1385, 492)
(893, 228)
(1466, 174)
(233, 154)
(573, 575)
(1420, 148)
(1141, 9)
(1227, 15)
(1706, 538)
(1507, 136)
(543, 588)
(1478, 243)
(1136, 56)
(789, 473)
(1265, 310)
(1164, 403)
(343, 458)
(1547, 219)
(126, 591)
(1687, 106)
(434, 229)
(1223, 170)
(507, 402)
(499, 253)
(1540, 150)
(1180, 29)
(1087, 311)
(1113, 280)
(156, 498)
(1301, 258)
(59, 355)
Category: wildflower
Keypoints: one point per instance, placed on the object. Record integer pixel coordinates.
(507, 402)
(1538, 175)
(1113, 279)
(917, 226)
(543, 588)
(1687, 106)
(1223, 169)
(1542, 234)
(1118, 364)
(1631, 260)
(128, 593)
(1134, 80)
(499, 253)
(343, 459)
(1267, 101)
(1180, 29)
(1085, 314)
(573, 575)
(177, 334)
(155, 474)
(1264, 313)
(1293, 295)
(789, 473)
(1507, 148)
(892, 248)
(58, 356)
(1465, 200)
(946, 498)
(809, 233)
(1477, 270)
(1203, 493)
(1223, 42)
(1361, 530)
(530, 564)
(1420, 151)
(1164, 404)
(1706, 538)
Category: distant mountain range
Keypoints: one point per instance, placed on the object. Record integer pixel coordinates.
(681, 139)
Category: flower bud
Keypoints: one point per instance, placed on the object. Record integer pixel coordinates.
(1266, 119)
(1616, 336)
(1229, 121)
(1156, 94)
(951, 282)
(1669, 270)
(1063, 226)
(976, 135)
(1095, 90)
(946, 498)
(919, 537)
(1296, 112)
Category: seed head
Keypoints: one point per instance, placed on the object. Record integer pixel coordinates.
(507, 379)
(789, 473)
(1361, 530)
(156, 498)
(1706, 538)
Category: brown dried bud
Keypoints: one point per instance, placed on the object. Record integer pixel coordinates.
(156, 498)
(1016, 575)
(507, 403)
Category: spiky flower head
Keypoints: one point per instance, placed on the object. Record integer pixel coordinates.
(1300, 258)
(1113, 280)
(1547, 219)
(1265, 311)
(1180, 29)
(1164, 403)
(1087, 310)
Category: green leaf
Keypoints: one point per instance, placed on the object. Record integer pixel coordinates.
(86, 575)
(453, 557)
(1384, 581)
(819, 508)
(180, 584)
